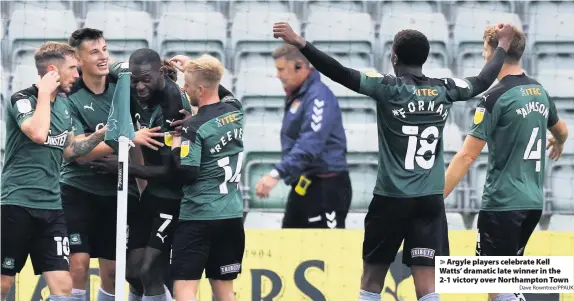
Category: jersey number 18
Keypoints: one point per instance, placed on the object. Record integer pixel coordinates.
(416, 152)
(230, 176)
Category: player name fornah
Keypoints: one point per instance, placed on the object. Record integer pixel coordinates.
(235, 134)
(423, 107)
(533, 106)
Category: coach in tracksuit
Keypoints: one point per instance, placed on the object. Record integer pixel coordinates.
(314, 148)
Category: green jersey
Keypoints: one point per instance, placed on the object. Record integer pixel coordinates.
(166, 187)
(212, 145)
(90, 113)
(31, 173)
(513, 118)
(411, 114)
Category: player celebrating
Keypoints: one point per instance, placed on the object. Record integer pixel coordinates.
(86, 195)
(209, 157)
(412, 110)
(39, 134)
(512, 118)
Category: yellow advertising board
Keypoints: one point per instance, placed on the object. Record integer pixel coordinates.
(324, 265)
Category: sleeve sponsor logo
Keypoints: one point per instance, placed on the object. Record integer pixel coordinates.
(461, 83)
(373, 74)
(24, 106)
(478, 115)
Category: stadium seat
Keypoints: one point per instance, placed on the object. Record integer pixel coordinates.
(455, 221)
(437, 72)
(468, 32)
(262, 96)
(178, 6)
(552, 43)
(477, 177)
(561, 178)
(355, 220)
(262, 152)
(452, 143)
(192, 34)
(103, 7)
(433, 25)
(486, 6)
(362, 158)
(262, 219)
(28, 29)
(263, 7)
(345, 35)
(558, 84)
(39, 5)
(390, 7)
(334, 6)
(125, 31)
(252, 40)
(23, 77)
(226, 81)
(355, 108)
(534, 10)
(561, 222)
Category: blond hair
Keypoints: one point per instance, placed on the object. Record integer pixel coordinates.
(207, 69)
(517, 45)
(49, 52)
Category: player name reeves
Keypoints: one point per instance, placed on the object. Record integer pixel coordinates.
(235, 134)
(59, 140)
(533, 106)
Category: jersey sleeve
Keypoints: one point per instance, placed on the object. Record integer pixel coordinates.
(190, 148)
(22, 107)
(459, 89)
(485, 119)
(553, 113)
(376, 85)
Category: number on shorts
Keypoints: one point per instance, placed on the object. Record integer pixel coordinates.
(167, 218)
(416, 152)
(62, 246)
(536, 154)
(230, 177)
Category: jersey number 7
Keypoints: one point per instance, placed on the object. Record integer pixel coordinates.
(230, 176)
(536, 154)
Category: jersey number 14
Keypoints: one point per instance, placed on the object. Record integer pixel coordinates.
(536, 154)
(230, 176)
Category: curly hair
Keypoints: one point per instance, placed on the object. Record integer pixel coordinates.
(168, 70)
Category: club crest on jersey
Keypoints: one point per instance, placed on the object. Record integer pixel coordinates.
(294, 106)
(184, 150)
(373, 74)
(167, 139)
(478, 115)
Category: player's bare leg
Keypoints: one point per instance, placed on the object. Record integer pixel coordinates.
(373, 281)
(185, 290)
(133, 273)
(7, 282)
(108, 276)
(153, 270)
(79, 271)
(59, 282)
(222, 290)
(506, 297)
(424, 283)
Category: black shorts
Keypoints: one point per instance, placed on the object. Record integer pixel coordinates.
(420, 222)
(40, 233)
(505, 233)
(325, 205)
(155, 223)
(215, 246)
(91, 221)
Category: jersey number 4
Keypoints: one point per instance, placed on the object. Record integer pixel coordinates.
(230, 176)
(536, 154)
(416, 149)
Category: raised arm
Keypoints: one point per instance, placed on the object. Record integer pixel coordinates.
(325, 64)
(33, 115)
